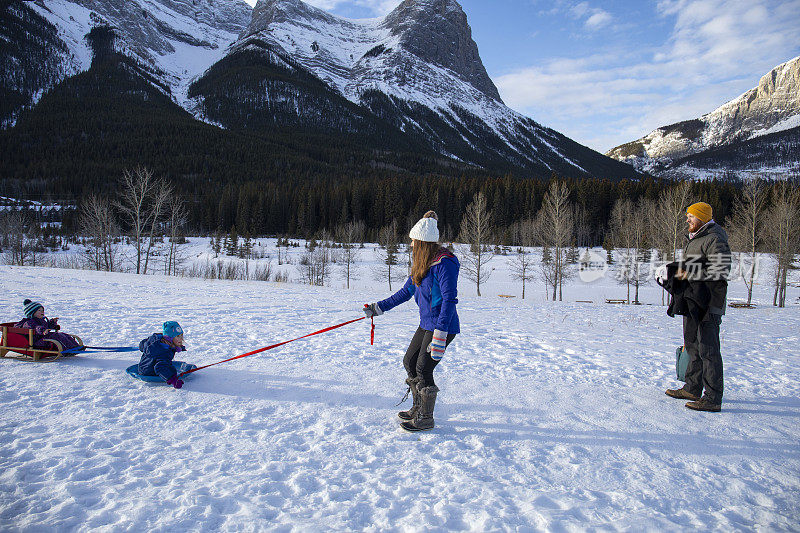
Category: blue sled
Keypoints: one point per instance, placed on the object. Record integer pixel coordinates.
(180, 366)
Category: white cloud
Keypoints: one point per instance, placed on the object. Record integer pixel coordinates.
(595, 17)
(598, 20)
(716, 50)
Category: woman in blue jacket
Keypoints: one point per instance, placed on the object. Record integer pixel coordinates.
(433, 284)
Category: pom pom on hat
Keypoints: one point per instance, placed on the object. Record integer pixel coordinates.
(426, 229)
(701, 210)
(30, 307)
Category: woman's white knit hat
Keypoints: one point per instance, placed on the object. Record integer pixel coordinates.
(425, 230)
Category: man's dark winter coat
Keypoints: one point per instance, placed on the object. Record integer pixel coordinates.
(707, 259)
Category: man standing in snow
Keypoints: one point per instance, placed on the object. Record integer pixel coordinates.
(705, 266)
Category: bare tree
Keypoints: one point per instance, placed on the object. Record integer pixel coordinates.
(476, 233)
(33, 243)
(98, 222)
(548, 271)
(389, 255)
(747, 229)
(162, 192)
(14, 224)
(784, 235)
(556, 229)
(522, 264)
(315, 265)
(669, 219)
(349, 236)
(178, 217)
(668, 216)
(408, 257)
(137, 188)
(628, 232)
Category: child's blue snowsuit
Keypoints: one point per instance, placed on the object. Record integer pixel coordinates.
(157, 357)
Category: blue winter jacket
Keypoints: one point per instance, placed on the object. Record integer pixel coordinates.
(436, 296)
(157, 357)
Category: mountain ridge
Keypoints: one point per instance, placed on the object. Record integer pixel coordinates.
(771, 107)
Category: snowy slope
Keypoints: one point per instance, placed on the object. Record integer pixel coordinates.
(177, 39)
(552, 417)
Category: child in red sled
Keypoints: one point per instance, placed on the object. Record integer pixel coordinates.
(433, 285)
(44, 328)
(158, 351)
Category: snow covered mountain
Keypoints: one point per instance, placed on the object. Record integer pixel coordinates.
(770, 109)
(417, 70)
(410, 81)
(174, 40)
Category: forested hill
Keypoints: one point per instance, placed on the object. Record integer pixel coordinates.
(90, 127)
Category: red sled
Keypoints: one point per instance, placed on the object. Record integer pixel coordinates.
(20, 342)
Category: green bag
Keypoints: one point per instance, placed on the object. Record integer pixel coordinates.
(681, 362)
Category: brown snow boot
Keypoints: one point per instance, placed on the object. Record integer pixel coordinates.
(423, 419)
(704, 404)
(681, 394)
(412, 387)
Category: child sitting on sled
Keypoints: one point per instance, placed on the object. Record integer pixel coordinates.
(44, 328)
(158, 351)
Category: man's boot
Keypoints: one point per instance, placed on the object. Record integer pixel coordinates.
(704, 404)
(412, 387)
(682, 394)
(423, 419)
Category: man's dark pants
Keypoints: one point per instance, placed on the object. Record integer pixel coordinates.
(704, 371)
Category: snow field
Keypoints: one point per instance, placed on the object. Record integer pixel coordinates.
(552, 416)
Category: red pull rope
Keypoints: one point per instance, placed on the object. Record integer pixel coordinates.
(276, 345)
(372, 332)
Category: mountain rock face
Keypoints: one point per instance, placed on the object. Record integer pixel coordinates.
(175, 40)
(768, 109)
(33, 58)
(437, 32)
(417, 71)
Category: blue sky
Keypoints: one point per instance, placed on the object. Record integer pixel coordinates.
(603, 72)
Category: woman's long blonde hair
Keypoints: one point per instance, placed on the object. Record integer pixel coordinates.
(423, 254)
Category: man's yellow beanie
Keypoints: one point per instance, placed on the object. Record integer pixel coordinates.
(701, 210)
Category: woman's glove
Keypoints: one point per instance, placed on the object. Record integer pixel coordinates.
(438, 345)
(175, 381)
(372, 310)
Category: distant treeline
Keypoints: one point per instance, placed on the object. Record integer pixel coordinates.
(304, 208)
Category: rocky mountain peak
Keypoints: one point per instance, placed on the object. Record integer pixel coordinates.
(269, 12)
(777, 93)
(437, 32)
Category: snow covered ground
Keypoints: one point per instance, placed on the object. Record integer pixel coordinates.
(552, 416)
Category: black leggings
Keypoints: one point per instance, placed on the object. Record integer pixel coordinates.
(418, 360)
